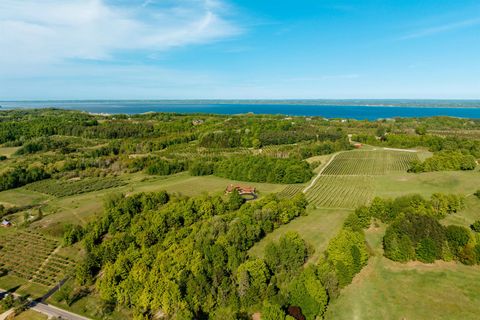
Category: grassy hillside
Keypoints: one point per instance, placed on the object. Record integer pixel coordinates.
(317, 228)
(391, 290)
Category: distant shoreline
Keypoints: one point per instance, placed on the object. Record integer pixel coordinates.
(351, 109)
(391, 103)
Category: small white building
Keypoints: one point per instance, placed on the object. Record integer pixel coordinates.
(6, 224)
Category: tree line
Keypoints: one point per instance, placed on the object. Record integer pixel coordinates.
(414, 230)
(263, 169)
(21, 175)
(432, 142)
(443, 161)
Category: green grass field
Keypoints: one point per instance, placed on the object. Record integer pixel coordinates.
(390, 290)
(22, 286)
(8, 152)
(317, 228)
(31, 315)
(21, 197)
(394, 185)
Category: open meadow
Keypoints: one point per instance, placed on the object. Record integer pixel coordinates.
(317, 228)
(385, 289)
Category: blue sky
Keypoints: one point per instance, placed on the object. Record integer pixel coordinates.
(232, 49)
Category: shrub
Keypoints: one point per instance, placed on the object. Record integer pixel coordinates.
(288, 255)
(426, 250)
(457, 237)
(272, 312)
(476, 226)
(307, 292)
(414, 236)
(201, 168)
(477, 194)
(72, 234)
(348, 253)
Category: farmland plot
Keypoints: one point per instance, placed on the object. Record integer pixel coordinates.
(63, 188)
(32, 256)
(347, 181)
(341, 191)
(290, 191)
(375, 162)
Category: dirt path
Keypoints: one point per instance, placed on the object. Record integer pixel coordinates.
(320, 173)
(6, 314)
(44, 263)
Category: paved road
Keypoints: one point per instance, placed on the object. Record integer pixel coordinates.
(49, 310)
(52, 311)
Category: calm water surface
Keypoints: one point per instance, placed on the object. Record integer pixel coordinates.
(327, 111)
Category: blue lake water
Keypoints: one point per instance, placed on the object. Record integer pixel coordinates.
(324, 110)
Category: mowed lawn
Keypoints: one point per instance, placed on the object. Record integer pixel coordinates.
(31, 315)
(394, 185)
(385, 290)
(8, 152)
(22, 286)
(390, 290)
(317, 228)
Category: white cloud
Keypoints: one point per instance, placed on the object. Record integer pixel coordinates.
(442, 28)
(42, 33)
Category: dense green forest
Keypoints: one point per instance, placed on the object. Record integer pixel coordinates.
(188, 258)
(263, 169)
(184, 256)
